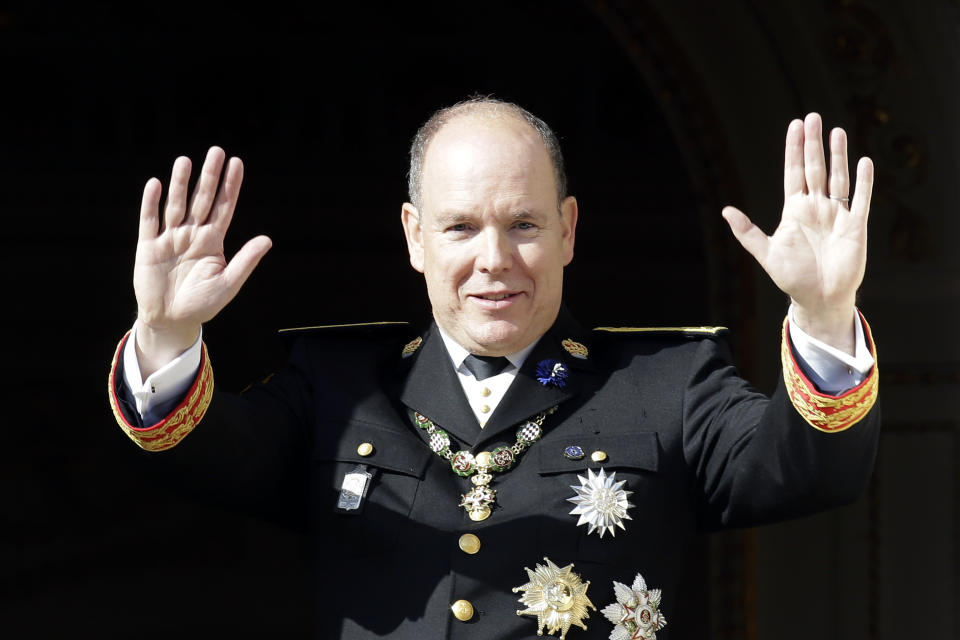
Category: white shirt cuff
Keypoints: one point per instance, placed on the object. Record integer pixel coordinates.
(832, 371)
(167, 383)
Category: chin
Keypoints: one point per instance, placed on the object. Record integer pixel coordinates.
(499, 338)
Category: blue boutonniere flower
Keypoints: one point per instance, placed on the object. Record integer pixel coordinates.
(552, 372)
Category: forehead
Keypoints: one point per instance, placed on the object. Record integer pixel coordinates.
(486, 157)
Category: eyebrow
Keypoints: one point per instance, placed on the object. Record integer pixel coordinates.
(448, 218)
(452, 217)
(460, 216)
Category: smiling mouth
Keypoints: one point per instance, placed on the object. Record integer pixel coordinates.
(496, 297)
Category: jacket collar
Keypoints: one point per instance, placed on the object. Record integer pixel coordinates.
(432, 387)
(527, 396)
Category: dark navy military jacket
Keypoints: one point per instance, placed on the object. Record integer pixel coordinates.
(698, 448)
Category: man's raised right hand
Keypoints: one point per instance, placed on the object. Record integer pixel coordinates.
(181, 277)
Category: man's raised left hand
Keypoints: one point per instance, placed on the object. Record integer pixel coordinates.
(818, 253)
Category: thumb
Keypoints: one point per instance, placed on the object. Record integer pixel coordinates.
(749, 235)
(244, 262)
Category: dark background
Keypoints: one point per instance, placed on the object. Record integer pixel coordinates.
(321, 101)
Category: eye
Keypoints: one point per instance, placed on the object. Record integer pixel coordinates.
(460, 227)
(524, 225)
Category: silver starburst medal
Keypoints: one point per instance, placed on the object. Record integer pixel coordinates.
(636, 613)
(601, 502)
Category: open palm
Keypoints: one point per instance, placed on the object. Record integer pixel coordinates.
(181, 276)
(817, 255)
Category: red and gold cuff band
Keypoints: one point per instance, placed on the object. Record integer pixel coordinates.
(179, 422)
(824, 412)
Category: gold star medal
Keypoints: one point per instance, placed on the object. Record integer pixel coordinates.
(601, 502)
(556, 596)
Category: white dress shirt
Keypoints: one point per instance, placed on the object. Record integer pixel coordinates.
(483, 395)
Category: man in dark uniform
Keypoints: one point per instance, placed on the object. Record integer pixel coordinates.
(505, 472)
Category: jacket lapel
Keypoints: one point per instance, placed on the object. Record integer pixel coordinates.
(433, 388)
(527, 396)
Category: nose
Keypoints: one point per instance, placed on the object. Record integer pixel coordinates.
(495, 253)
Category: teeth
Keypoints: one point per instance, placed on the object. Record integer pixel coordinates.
(497, 297)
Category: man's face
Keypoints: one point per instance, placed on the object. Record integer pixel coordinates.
(490, 240)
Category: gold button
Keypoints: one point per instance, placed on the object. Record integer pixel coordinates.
(484, 458)
(485, 408)
(486, 392)
(462, 610)
(365, 449)
(469, 543)
(598, 456)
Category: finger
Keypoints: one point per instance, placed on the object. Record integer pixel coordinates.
(753, 239)
(793, 178)
(814, 165)
(244, 262)
(206, 189)
(226, 201)
(150, 210)
(177, 192)
(839, 170)
(860, 206)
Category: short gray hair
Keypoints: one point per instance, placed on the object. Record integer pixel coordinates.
(485, 105)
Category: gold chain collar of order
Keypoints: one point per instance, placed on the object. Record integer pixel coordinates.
(481, 467)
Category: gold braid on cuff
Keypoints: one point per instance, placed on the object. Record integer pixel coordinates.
(827, 413)
(171, 430)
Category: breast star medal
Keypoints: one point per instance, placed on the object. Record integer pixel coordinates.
(556, 596)
(636, 613)
(601, 502)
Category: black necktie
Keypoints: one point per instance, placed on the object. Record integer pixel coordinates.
(482, 367)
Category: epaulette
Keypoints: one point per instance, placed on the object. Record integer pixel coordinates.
(692, 332)
(361, 327)
(369, 330)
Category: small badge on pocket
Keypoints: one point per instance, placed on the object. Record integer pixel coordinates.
(354, 488)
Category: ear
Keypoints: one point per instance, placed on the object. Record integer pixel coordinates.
(413, 230)
(568, 218)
